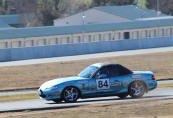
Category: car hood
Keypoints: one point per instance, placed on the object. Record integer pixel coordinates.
(54, 82)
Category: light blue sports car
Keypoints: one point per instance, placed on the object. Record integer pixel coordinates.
(99, 80)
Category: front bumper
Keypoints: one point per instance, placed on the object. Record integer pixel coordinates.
(49, 94)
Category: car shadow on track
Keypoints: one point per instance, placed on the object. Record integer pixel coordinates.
(113, 99)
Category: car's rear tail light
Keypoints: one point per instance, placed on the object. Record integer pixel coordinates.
(153, 77)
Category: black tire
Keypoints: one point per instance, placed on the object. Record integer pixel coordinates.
(123, 96)
(137, 89)
(57, 100)
(70, 94)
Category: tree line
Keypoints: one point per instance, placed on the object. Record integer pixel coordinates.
(43, 12)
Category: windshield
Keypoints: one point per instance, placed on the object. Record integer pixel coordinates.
(88, 72)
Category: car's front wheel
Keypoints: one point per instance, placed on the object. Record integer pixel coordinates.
(70, 94)
(137, 89)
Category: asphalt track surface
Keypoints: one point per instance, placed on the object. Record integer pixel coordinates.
(37, 104)
(87, 56)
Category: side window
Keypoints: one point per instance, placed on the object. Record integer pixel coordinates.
(102, 72)
(113, 71)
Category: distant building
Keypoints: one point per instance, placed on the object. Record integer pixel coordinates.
(12, 20)
(107, 14)
(131, 22)
(3, 24)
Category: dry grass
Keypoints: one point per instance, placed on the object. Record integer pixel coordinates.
(34, 75)
(139, 109)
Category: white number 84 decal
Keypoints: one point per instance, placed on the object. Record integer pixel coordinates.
(102, 84)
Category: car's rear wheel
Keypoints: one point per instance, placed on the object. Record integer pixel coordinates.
(137, 89)
(123, 96)
(70, 94)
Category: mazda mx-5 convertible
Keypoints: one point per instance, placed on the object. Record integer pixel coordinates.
(99, 80)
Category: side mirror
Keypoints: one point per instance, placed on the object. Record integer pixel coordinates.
(102, 76)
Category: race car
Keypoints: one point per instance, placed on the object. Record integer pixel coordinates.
(99, 80)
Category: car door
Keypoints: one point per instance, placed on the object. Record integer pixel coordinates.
(108, 81)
